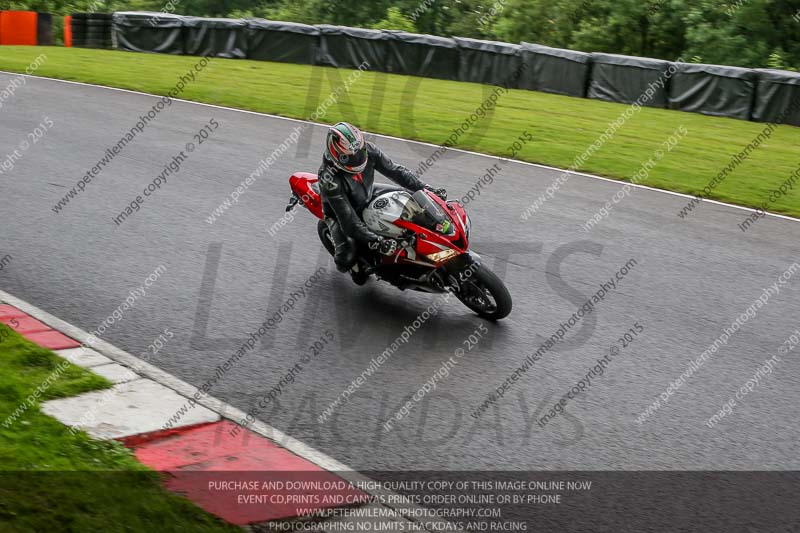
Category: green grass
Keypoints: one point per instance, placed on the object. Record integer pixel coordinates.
(53, 480)
(562, 127)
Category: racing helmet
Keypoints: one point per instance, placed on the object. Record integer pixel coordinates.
(345, 148)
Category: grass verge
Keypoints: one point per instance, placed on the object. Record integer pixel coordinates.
(428, 110)
(54, 480)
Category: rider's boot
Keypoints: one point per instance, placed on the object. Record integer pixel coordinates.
(344, 250)
(359, 276)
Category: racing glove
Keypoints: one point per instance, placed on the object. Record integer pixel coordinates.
(384, 246)
(441, 192)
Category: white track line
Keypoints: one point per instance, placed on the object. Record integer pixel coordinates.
(537, 165)
(225, 410)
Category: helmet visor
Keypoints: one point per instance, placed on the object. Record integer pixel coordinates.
(353, 162)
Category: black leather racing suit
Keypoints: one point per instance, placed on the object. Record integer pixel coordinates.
(344, 197)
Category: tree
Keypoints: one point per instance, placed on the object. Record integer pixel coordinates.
(727, 34)
(395, 20)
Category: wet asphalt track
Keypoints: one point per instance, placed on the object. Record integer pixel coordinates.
(692, 278)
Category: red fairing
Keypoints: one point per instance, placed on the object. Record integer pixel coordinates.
(458, 215)
(301, 184)
(428, 245)
(461, 215)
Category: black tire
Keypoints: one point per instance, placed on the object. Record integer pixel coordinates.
(325, 236)
(92, 23)
(482, 284)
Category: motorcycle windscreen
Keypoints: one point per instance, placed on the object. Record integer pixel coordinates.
(423, 211)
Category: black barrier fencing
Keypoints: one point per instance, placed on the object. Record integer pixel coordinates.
(44, 29)
(713, 90)
(160, 33)
(208, 37)
(427, 56)
(553, 70)
(487, 62)
(777, 89)
(748, 94)
(91, 30)
(624, 79)
(343, 47)
(284, 42)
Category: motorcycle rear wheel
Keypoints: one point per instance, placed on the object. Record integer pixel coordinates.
(325, 236)
(485, 294)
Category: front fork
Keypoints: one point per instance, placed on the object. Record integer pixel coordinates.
(461, 268)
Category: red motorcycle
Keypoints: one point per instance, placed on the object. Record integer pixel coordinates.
(433, 255)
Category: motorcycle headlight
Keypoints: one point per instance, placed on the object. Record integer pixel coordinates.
(441, 256)
(468, 226)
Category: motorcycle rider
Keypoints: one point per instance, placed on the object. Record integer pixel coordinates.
(346, 180)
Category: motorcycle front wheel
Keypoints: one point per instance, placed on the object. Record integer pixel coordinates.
(485, 293)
